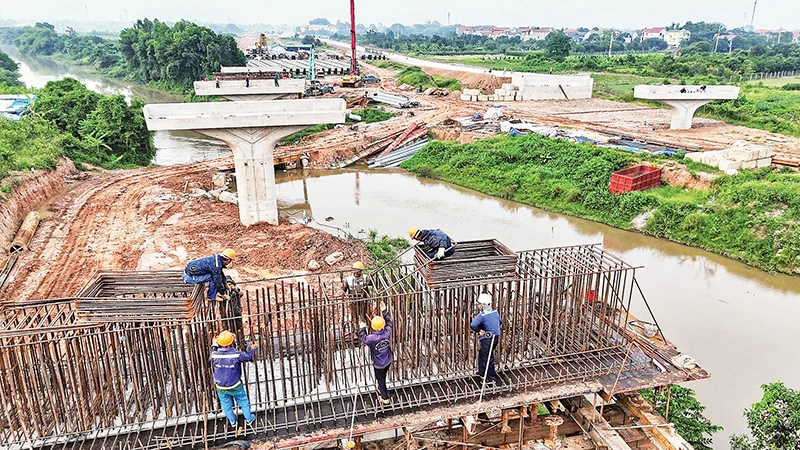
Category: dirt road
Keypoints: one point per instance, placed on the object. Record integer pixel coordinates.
(140, 220)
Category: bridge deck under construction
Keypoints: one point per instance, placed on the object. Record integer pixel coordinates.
(125, 363)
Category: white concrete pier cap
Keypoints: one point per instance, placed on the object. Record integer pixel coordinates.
(251, 130)
(684, 100)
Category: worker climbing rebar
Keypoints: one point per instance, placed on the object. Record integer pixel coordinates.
(435, 243)
(380, 349)
(487, 325)
(209, 269)
(356, 287)
(227, 362)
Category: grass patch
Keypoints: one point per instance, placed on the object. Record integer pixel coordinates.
(296, 137)
(384, 249)
(414, 76)
(753, 216)
(27, 144)
(775, 82)
(385, 64)
(372, 115)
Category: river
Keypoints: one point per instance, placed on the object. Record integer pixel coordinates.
(738, 322)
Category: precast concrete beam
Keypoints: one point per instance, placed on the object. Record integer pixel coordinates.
(260, 89)
(684, 100)
(251, 130)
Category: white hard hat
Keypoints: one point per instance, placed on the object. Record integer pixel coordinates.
(485, 299)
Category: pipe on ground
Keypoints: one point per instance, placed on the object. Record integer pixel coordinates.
(25, 233)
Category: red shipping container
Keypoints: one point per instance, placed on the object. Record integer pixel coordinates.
(637, 178)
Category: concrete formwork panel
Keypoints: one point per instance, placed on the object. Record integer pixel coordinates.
(251, 130)
(537, 86)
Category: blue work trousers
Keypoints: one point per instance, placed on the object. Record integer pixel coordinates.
(197, 279)
(227, 396)
(484, 356)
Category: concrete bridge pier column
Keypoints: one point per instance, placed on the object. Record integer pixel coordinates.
(683, 112)
(253, 150)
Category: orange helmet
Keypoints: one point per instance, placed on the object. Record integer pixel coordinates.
(412, 232)
(226, 338)
(378, 323)
(228, 253)
(358, 265)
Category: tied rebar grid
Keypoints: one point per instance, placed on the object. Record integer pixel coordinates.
(118, 383)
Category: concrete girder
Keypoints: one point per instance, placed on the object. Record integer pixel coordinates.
(251, 130)
(260, 89)
(684, 100)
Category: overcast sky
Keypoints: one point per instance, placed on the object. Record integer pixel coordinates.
(560, 13)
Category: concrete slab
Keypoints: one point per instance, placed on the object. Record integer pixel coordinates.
(218, 115)
(258, 90)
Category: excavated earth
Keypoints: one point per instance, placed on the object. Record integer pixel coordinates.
(141, 220)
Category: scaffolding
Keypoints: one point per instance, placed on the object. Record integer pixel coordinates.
(77, 375)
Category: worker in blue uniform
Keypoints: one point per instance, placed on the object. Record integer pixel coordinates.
(227, 362)
(487, 325)
(380, 349)
(435, 243)
(209, 269)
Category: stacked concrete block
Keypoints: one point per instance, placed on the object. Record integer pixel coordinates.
(507, 93)
(741, 155)
(470, 95)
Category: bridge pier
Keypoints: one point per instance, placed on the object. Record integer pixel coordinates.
(251, 130)
(684, 100)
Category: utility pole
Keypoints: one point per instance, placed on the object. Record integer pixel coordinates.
(753, 16)
(610, 43)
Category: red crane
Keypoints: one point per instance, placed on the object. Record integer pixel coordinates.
(353, 65)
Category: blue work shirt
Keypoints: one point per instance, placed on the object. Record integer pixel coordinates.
(380, 347)
(432, 240)
(210, 265)
(227, 362)
(487, 321)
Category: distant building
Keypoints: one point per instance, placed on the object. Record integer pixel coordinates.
(575, 35)
(796, 36)
(653, 33)
(673, 38)
(536, 34)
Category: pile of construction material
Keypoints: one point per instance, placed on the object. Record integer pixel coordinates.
(387, 145)
(507, 93)
(396, 100)
(741, 155)
(395, 158)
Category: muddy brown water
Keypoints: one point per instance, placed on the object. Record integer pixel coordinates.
(739, 323)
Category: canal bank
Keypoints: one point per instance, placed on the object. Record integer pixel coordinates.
(736, 321)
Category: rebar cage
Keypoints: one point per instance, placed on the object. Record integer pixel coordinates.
(76, 375)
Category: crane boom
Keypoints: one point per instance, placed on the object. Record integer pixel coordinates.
(353, 65)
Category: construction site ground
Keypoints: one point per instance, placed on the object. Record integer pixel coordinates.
(594, 116)
(141, 220)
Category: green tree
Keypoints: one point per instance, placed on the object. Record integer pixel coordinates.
(558, 46)
(686, 413)
(66, 103)
(319, 21)
(119, 131)
(774, 421)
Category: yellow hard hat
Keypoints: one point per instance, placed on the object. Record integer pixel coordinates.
(225, 338)
(412, 232)
(358, 265)
(378, 323)
(228, 253)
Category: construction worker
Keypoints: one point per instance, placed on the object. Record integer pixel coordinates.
(227, 362)
(487, 325)
(277, 84)
(356, 285)
(380, 349)
(209, 269)
(435, 243)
